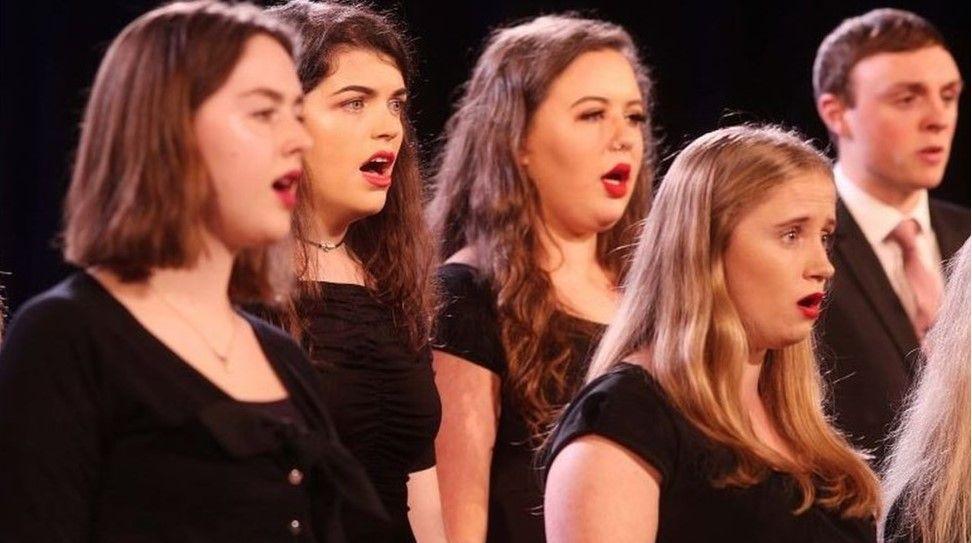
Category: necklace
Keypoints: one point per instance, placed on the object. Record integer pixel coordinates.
(223, 357)
(325, 246)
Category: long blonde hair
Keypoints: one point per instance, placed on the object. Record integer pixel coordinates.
(927, 474)
(676, 305)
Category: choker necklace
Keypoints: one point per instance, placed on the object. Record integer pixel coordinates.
(223, 357)
(325, 246)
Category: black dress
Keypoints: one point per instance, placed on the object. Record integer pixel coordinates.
(107, 435)
(380, 392)
(627, 407)
(467, 327)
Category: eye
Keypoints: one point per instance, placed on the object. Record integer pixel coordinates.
(591, 116)
(265, 115)
(828, 240)
(905, 100)
(791, 235)
(637, 118)
(354, 104)
(396, 106)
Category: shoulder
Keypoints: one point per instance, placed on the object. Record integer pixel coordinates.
(948, 210)
(625, 406)
(272, 337)
(61, 309)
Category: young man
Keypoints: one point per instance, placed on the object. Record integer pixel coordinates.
(887, 89)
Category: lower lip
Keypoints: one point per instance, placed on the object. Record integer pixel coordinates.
(932, 158)
(615, 190)
(288, 196)
(810, 312)
(377, 180)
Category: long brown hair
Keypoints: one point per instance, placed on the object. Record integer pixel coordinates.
(927, 474)
(139, 191)
(483, 199)
(676, 306)
(393, 245)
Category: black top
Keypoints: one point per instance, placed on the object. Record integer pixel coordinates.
(467, 327)
(628, 407)
(379, 390)
(107, 435)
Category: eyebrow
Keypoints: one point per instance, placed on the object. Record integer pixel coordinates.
(917, 87)
(602, 100)
(830, 222)
(367, 91)
(276, 96)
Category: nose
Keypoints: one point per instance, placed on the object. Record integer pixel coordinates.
(298, 140)
(388, 126)
(819, 267)
(939, 115)
(624, 135)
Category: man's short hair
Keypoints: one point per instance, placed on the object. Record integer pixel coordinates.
(883, 30)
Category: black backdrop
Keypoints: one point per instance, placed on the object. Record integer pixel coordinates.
(714, 63)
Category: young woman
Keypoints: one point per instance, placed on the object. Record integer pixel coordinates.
(362, 309)
(545, 169)
(702, 417)
(136, 403)
(926, 484)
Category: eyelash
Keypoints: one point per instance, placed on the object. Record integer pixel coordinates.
(827, 238)
(265, 114)
(635, 118)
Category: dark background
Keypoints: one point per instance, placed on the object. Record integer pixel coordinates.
(714, 64)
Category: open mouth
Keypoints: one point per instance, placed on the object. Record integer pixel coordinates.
(380, 163)
(615, 181)
(810, 305)
(286, 188)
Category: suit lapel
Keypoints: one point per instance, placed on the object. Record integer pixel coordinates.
(866, 271)
(950, 238)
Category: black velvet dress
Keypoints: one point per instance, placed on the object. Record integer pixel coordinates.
(106, 435)
(467, 327)
(629, 408)
(380, 392)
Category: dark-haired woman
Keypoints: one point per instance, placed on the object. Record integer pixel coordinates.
(136, 402)
(362, 307)
(545, 169)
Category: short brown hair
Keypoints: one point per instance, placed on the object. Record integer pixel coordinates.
(883, 30)
(139, 188)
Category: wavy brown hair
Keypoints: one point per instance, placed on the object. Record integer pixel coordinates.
(393, 246)
(483, 198)
(139, 192)
(677, 307)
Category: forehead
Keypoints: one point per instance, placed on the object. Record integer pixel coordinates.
(354, 65)
(264, 63)
(605, 73)
(811, 195)
(932, 66)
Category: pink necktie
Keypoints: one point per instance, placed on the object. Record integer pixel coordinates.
(926, 289)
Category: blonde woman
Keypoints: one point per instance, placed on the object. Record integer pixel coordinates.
(926, 484)
(702, 419)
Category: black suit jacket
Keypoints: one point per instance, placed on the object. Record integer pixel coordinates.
(868, 347)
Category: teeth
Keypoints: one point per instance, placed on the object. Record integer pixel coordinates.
(611, 181)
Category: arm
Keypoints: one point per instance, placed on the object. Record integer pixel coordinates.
(599, 491)
(464, 446)
(425, 507)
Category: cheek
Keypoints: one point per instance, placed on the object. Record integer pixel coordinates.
(334, 149)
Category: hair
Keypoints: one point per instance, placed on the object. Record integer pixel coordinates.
(883, 30)
(676, 306)
(393, 246)
(927, 473)
(484, 199)
(140, 191)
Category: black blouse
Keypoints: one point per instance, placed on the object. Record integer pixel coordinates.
(467, 327)
(107, 435)
(380, 391)
(627, 407)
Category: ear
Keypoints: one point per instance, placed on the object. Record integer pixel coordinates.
(832, 111)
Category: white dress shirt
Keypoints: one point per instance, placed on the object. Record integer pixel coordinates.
(877, 219)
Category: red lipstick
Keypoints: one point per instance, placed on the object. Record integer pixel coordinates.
(377, 169)
(810, 305)
(286, 188)
(616, 180)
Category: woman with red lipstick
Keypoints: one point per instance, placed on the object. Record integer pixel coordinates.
(136, 402)
(702, 416)
(362, 307)
(546, 168)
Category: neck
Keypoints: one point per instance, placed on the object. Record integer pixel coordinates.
(205, 283)
(749, 384)
(571, 254)
(904, 200)
(329, 228)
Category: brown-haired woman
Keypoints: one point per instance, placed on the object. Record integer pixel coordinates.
(362, 307)
(546, 167)
(136, 403)
(703, 418)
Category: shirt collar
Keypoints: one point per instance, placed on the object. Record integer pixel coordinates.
(875, 218)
